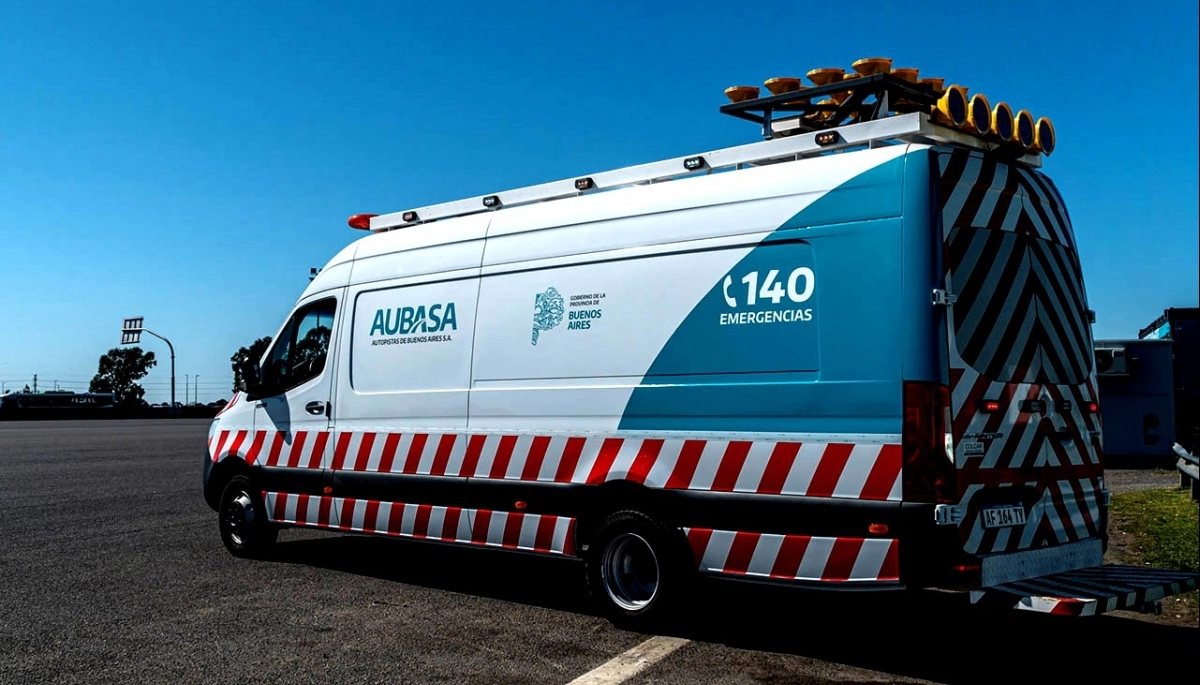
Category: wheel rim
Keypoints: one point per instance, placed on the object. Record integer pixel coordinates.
(239, 517)
(630, 572)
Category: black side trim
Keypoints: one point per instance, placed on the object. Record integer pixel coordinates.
(443, 491)
(779, 514)
(808, 585)
(296, 481)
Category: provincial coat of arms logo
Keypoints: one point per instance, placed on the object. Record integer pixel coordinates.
(547, 311)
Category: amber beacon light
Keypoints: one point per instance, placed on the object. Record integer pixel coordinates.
(979, 115)
(782, 84)
(826, 75)
(1002, 126)
(953, 106)
(741, 93)
(1025, 129)
(869, 66)
(1043, 138)
(361, 221)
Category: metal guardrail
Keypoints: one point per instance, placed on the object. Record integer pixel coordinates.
(1189, 470)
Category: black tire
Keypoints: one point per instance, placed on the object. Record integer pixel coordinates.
(637, 570)
(245, 529)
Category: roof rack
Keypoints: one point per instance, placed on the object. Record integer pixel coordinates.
(791, 141)
(874, 90)
(887, 94)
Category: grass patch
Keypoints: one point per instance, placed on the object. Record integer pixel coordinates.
(1165, 527)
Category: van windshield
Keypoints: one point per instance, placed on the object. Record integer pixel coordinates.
(1021, 313)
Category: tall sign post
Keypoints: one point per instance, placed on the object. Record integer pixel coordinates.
(131, 334)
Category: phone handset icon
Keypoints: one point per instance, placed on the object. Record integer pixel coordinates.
(725, 288)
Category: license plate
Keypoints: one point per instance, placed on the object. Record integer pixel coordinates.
(999, 517)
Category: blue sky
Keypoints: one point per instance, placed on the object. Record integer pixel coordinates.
(188, 162)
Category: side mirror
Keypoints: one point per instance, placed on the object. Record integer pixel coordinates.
(251, 379)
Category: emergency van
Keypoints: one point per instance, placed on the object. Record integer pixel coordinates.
(856, 354)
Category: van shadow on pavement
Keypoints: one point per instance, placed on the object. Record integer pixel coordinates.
(927, 635)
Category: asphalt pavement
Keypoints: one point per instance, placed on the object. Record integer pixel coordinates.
(112, 571)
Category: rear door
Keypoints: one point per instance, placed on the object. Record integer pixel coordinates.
(1025, 427)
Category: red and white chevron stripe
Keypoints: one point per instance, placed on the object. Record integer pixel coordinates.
(1067, 472)
(1068, 511)
(795, 557)
(301, 510)
(857, 470)
(510, 530)
(1020, 318)
(532, 532)
(232, 401)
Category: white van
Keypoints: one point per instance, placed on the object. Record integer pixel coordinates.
(851, 355)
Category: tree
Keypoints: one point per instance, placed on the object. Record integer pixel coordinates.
(254, 351)
(120, 369)
(313, 346)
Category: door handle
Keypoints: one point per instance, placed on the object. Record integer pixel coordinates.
(316, 408)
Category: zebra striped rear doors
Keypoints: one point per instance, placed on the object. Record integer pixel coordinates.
(1020, 351)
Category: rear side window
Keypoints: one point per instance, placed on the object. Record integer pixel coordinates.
(1021, 314)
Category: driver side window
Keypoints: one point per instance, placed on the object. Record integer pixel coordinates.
(299, 353)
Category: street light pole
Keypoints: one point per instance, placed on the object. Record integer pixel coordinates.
(131, 332)
(172, 348)
(186, 386)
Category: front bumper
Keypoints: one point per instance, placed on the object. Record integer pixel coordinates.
(210, 497)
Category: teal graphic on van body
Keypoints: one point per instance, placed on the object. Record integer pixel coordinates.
(548, 310)
(767, 347)
(762, 317)
(435, 318)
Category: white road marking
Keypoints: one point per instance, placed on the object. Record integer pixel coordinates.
(625, 666)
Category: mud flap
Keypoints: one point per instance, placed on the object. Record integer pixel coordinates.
(1089, 591)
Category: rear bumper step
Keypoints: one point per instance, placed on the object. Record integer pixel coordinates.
(1089, 591)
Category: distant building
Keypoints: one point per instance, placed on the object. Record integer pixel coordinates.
(1137, 407)
(1181, 325)
(1150, 387)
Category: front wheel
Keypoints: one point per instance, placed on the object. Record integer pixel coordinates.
(245, 529)
(636, 571)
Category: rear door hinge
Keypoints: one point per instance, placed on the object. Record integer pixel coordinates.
(944, 298)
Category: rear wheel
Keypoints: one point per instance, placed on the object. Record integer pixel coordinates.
(245, 529)
(636, 569)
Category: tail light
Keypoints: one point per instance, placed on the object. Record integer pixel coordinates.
(928, 458)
